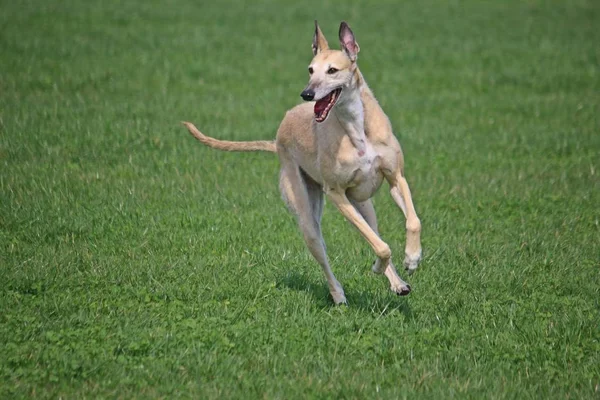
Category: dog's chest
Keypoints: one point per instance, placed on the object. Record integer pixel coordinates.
(359, 174)
(366, 177)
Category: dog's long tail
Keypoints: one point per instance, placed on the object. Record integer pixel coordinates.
(258, 145)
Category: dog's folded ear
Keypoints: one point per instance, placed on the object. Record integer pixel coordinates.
(348, 41)
(319, 42)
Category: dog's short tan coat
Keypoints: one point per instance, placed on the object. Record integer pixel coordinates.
(346, 156)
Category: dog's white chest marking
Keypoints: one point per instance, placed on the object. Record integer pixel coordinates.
(369, 162)
(362, 172)
(351, 116)
(358, 164)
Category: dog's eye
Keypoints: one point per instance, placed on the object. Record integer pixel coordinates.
(310, 70)
(332, 70)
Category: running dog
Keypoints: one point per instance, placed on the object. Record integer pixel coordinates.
(339, 144)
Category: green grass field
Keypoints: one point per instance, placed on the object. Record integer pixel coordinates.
(136, 263)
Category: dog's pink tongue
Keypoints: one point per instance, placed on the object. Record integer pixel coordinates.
(321, 105)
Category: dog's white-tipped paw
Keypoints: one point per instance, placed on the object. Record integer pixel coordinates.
(339, 298)
(401, 290)
(411, 262)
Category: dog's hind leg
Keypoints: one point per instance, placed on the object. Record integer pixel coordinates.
(401, 194)
(304, 197)
(366, 209)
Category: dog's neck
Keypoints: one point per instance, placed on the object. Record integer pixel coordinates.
(350, 111)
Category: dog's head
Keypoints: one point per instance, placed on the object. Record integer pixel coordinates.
(331, 71)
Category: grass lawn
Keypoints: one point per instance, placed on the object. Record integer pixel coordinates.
(136, 263)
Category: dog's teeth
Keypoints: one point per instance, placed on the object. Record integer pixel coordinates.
(323, 116)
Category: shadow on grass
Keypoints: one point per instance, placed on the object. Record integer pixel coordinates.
(368, 301)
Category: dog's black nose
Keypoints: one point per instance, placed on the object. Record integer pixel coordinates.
(308, 94)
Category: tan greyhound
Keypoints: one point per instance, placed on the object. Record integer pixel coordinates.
(339, 143)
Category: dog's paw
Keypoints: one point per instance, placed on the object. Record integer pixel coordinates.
(411, 262)
(401, 290)
(339, 298)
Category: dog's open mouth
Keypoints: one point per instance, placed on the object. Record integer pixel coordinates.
(323, 106)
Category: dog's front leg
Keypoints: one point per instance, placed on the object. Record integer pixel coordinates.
(382, 250)
(366, 209)
(401, 194)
